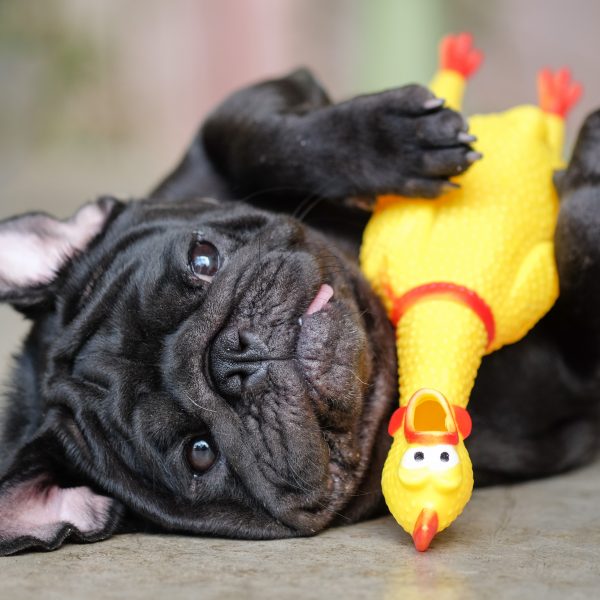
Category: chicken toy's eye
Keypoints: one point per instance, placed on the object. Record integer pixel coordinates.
(416, 458)
(438, 458)
(443, 457)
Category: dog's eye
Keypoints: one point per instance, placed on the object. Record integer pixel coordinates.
(200, 455)
(204, 260)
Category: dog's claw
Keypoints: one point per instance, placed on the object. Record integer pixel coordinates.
(473, 156)
(466, 138)
(449, 186)
(433, 103)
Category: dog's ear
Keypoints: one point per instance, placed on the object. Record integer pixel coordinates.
(42, 500)
(35, 248)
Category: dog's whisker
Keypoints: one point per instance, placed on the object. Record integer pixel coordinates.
(198, 405)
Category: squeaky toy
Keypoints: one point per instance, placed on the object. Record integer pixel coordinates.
(460, 277)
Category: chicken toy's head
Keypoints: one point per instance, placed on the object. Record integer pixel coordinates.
(428, 478)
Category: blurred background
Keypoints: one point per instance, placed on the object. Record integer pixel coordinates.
(102, 96)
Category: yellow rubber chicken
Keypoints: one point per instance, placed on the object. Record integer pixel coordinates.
(460, 277)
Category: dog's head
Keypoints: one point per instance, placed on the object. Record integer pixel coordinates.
(189, 368)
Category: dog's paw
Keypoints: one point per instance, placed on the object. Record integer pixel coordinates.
(412, 144)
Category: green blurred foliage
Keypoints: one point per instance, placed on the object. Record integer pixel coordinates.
(44, 65)
(401, 38)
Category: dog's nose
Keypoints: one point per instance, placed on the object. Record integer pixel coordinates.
(238, 362)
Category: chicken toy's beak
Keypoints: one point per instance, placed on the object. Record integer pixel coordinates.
(425, 529)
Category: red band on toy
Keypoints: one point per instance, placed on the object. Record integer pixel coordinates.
(460, 293)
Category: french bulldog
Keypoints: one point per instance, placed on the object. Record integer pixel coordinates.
(210, 360)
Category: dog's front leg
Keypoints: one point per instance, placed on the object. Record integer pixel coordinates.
(285, 137)
(238, 148)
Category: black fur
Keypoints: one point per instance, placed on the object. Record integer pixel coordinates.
(118, 373)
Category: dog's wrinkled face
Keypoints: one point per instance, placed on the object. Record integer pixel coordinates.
(204, 375)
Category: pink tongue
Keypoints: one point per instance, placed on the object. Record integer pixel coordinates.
(323, 296)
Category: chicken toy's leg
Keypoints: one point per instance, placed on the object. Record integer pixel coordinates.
(557, 93)
(459, 60)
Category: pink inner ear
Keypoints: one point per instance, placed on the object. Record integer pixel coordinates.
(34, 247)
(27, 260)
(36, 508)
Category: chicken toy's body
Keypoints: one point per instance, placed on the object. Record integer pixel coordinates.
(460, 277)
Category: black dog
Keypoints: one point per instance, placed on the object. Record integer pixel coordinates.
(184, 371)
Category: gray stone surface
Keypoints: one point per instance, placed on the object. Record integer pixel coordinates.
(535, 540)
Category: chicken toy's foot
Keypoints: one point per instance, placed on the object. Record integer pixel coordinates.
(458, 54)
(557, 92)
(458, 61)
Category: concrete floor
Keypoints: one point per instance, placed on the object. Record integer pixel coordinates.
(536, 540)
